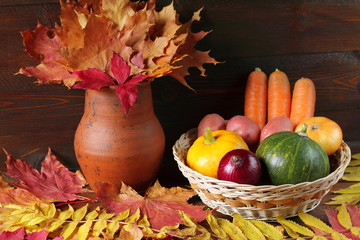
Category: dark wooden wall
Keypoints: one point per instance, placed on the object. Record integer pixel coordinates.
(315, 39)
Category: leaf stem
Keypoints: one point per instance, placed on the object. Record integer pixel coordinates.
(79, 201)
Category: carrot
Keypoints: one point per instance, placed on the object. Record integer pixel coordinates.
(303, 100)
(279, 95)
(256, 97)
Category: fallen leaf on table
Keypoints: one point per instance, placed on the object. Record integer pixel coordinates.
(352, 171)
(351, 194)
(249, 229)
(15, 235)
(20, 234)
(54, 182)
(131, 232)
(345, 219)
(293, 228)
(352, 174)
(161, 205)
(320, 227)
(11, 195)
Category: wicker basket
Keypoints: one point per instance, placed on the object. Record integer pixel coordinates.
(263, 202)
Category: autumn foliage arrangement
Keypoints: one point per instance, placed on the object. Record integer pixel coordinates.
(118, 44)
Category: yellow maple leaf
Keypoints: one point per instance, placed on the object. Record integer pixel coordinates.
(251, 232)
(293, 228)
(267, 229)
(118, 11)
(215, 227)
(231, 229)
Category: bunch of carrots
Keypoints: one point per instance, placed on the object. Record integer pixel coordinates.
(266, 98)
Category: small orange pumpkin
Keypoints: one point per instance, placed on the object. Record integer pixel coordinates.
(207, 151)
(324, 131)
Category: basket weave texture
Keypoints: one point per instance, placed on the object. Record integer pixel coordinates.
(262, 202)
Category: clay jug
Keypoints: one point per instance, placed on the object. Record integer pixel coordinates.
(113, 147)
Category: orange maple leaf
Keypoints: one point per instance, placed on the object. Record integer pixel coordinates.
(18, 196)
(161, 205)
(70, 32)
(97, 51)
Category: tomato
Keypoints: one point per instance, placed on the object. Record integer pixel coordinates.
(324, 131)
(206, 152)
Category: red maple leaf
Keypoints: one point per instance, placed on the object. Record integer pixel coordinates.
(161, 205)
(43, 44)
(126, 88)
(20, 234)
(54, 181)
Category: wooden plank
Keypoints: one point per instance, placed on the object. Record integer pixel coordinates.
(240, 28)
(34, 147)
(10, 81)
(40, 112)
(260, 28)
(337, 90)
(221, 91)
(13, 20)
(26, 2)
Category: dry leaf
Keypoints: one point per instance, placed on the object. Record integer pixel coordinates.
(90, 31)
(215, 227)
(233, 231)
(11, 195)
(54, 182)
(251, 231)
(345, 219)
(353, 169)
(71, 31)
(267, 229)
(314, 223)
(351, 194)
(293, 228)
(131, 232)
(161, 205)
(20, 234)
(126, 88)
(319, 227)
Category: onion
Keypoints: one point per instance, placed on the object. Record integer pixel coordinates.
(240, 166)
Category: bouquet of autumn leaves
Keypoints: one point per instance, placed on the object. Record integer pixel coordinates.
(111, 43)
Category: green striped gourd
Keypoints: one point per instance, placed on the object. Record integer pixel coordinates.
(291, 158)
